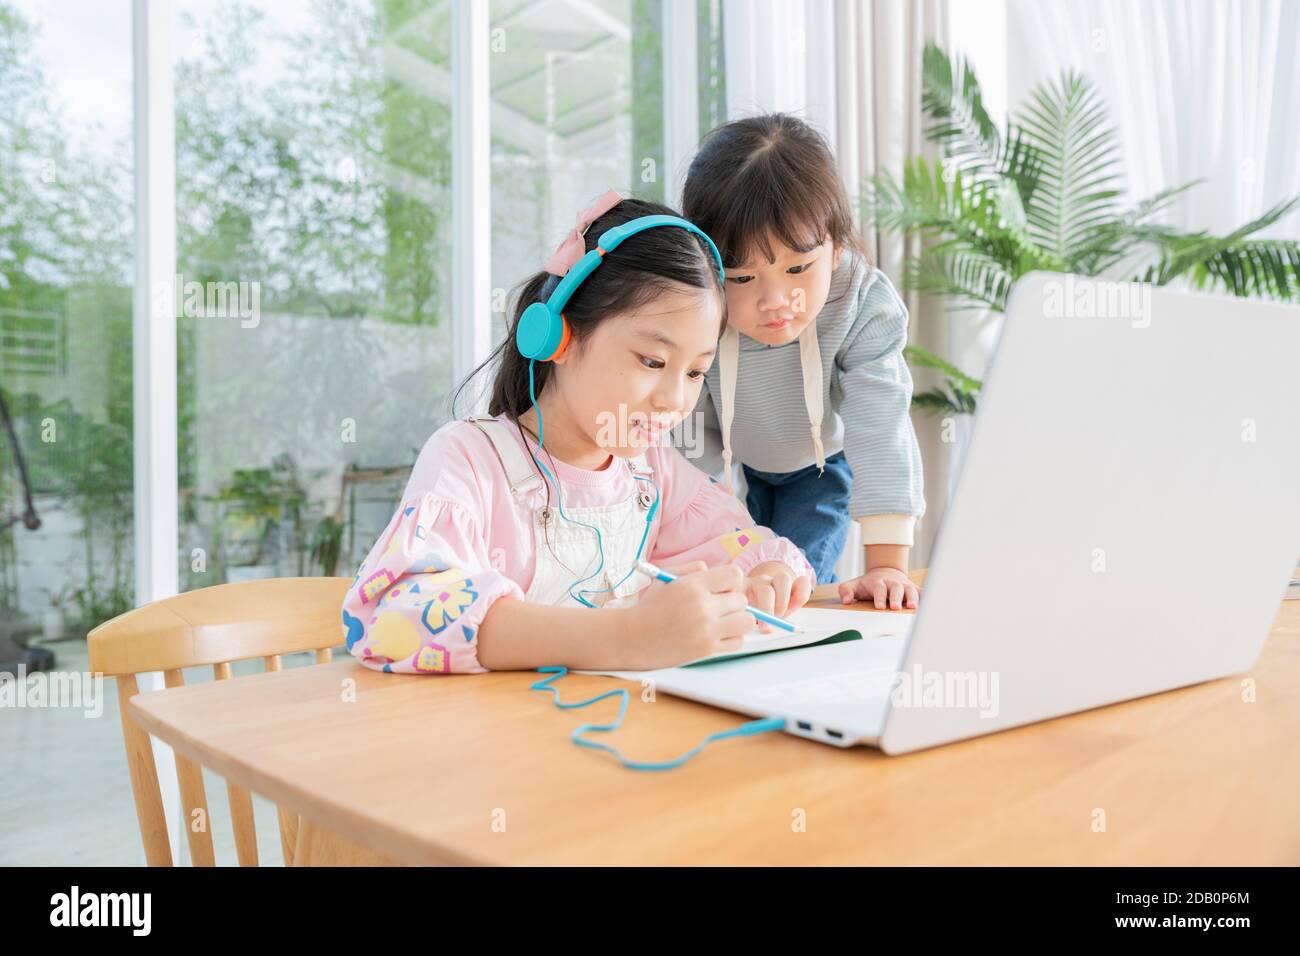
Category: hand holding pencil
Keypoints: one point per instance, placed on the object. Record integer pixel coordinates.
(772, 590)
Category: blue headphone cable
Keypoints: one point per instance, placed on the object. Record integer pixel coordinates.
(744, 730)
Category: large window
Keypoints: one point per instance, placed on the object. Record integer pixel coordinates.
(313, 186)
(578, 107)
(313, 279)
(66, 272)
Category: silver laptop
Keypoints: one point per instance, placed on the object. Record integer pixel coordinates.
(1135, 466)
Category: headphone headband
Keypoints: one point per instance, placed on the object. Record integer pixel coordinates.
(542, 330)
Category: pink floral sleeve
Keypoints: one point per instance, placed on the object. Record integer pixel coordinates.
(416, 604)
(702, 521)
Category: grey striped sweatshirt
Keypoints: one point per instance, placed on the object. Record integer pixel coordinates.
(861, 332)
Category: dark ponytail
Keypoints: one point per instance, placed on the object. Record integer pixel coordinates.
(642, 268)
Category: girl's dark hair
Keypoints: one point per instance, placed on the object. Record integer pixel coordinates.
(642, 268)
(763, 176)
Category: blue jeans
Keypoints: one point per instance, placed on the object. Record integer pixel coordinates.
(810, 509)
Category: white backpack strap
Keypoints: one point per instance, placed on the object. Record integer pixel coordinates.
(729, 371)
(810, 358)
(520, 469)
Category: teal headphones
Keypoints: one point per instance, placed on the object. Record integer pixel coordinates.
(543, 332)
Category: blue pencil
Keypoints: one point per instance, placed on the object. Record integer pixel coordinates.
(660, 575)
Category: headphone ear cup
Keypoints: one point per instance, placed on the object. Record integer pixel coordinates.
(565, 334)
(540, 333)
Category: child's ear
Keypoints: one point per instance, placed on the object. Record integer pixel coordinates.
(567, 353)
(839, 254)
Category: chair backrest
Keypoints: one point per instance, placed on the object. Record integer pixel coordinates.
(213, 626)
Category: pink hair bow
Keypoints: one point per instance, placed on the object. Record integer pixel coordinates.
(573, 248)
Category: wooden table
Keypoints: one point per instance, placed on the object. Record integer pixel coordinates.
(387, 768)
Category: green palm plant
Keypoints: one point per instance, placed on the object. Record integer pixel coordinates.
(1045, 195)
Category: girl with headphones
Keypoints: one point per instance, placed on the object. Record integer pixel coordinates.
(550, 502)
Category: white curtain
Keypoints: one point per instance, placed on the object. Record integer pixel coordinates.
(852, 68)
(1196, 88)
(766, 54)
(878, 49)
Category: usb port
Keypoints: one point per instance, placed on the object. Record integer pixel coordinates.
(803, 725)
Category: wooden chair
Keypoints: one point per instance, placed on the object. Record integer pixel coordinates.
(216, 626)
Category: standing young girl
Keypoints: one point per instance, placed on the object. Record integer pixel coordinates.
(809, 391)
(516, 539)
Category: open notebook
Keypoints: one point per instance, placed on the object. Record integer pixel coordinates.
(817, 625)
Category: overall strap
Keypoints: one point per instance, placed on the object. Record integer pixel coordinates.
(729, 368)
(810, 358)
(810, 365)
(640, 465)
(520, 469)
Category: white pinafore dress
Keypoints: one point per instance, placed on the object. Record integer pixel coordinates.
(565, 548)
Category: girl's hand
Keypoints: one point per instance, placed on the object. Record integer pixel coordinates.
(772, 587)
(701, 613)
(887, 587)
